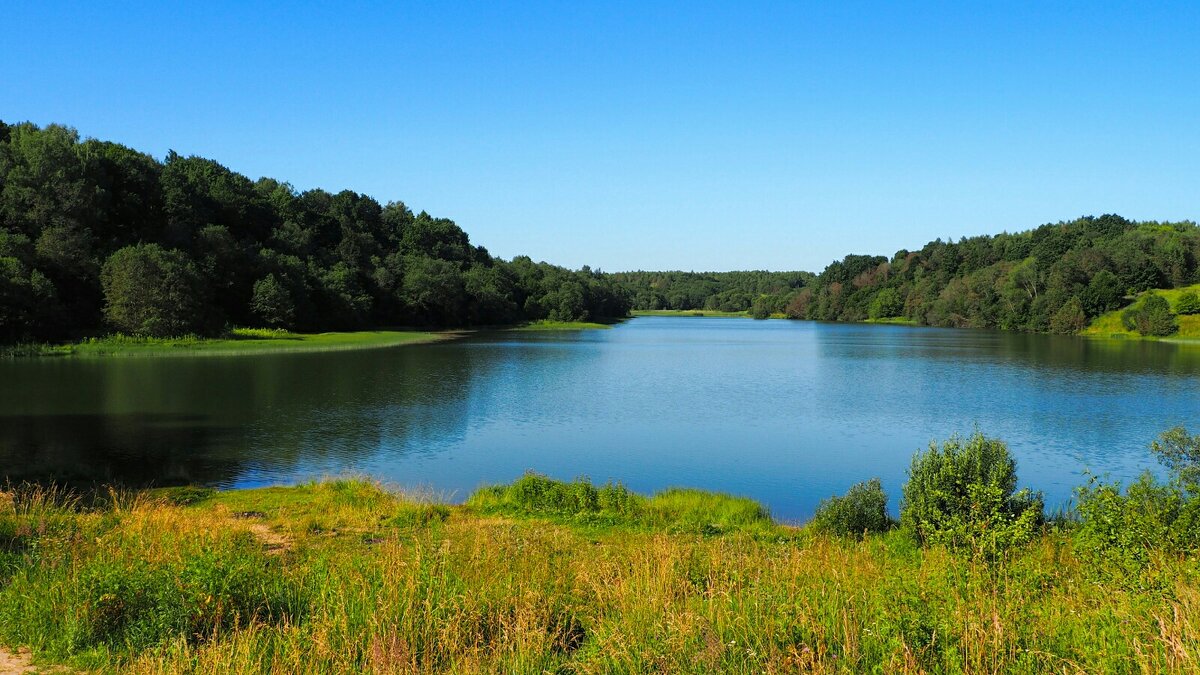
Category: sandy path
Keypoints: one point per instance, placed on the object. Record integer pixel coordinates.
(18, 662)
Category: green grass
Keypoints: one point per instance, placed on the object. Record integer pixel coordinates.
(898, 320)
(545, 576)
(238, 341)
(1109, 324)
(560, 325)
(690, 312)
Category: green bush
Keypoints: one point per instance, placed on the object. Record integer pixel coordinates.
(1151, 317)
(963, 495)
(1121, 532)
(673, 509)
(535, 493)
(862, 509)
(1188, 303)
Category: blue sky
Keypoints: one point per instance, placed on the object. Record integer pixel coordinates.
(650, 135)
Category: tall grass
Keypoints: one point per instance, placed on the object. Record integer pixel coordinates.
(542, 576)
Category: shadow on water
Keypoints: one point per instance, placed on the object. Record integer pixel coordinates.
(133, 450)
(786, 412)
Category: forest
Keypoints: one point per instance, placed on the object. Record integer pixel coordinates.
(98, 237)
(1055, 278)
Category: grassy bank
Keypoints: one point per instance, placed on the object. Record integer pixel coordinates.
(547, 577)
(698, 312)
(561, 325)
(238, 341)
(1109, 324)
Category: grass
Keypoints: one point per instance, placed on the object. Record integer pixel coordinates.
(700, 312)
(237, 341)
(1109, 324)
(689, 312)
(897, 320)
(543, 576)
(560, 325)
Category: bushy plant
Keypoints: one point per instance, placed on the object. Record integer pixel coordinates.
(1151, 317)
(1188, 303)
(862, 509)
(963, 494)
(535, 493)
(1120, 531)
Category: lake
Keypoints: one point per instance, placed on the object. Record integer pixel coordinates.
(785, 412)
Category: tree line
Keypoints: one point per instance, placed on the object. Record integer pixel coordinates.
(763, 293)
(96, 236)
(1055, 278)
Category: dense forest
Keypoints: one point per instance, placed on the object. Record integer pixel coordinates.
(763, 293)
(96, 236)
(1055, 278)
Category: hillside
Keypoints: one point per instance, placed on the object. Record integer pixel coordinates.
(1056, 278)
(1110, 324)
(98, 237)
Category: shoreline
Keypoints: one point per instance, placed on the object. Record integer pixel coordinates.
(349, 576)
(241, 342)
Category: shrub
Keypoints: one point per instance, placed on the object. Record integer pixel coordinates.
(535, 493)
(673, 509)
(1121, 531)
(1188, 303)
(862, 509)
(963, 495)
(1151, 317)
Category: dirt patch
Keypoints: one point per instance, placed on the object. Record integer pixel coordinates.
(272, 540)
(15, 662)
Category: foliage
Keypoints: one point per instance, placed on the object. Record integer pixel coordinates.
(862, 510)
(1151, 316)
(153, 292)
(359, 579)
(1188, 303)
(675, 509)
(963, 494)
(1121, 533)
(1055, 278)
(81, 221)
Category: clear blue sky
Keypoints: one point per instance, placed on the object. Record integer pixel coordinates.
(645, 135)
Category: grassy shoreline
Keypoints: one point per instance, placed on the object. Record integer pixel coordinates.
(547, 325)
(238, 342)
(346, 576)
(700, 313)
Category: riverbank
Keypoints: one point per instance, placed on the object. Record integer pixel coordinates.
(238, 341)
(562, 325)
(700, 312)
(346, 576)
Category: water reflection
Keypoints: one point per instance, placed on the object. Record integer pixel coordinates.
(788, 412)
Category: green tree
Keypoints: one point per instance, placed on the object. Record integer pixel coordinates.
(886, 303)
(1069, 318)
(272, 303)
(152, 291)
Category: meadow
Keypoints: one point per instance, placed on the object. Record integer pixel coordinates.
(547, 576)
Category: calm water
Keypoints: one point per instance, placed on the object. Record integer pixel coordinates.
(786, 412)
